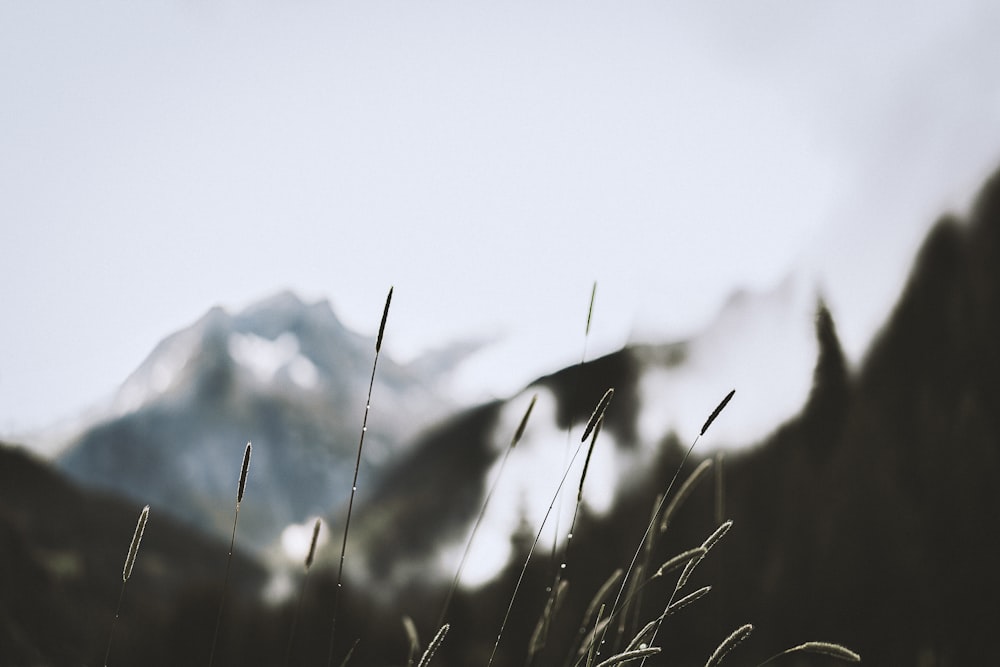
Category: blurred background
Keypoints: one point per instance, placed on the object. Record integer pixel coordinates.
(203, 206)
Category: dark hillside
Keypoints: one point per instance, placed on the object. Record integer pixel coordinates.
(62, 550)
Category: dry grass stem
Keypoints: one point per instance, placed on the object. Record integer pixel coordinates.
(599, 626)
(432, 648)
(819, 648)
(350, 653)
(590, 310)
(716, 411)
(709, 542)
(312, 543)
(720, 489)
(133, 549)
(518, 434)
(586, 466)
(683, 492)
(598, 413)
(675, 607)
(730, 642)
(354, 483)
(680, 559)
(381, 326)
(666, 493)
(520, 579)
(552, 604)
(412, 638)
(629, 656)
(302, 590)
(243, 473)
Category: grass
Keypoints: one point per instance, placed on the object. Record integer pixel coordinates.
(240, 489)
(133, 552)
(610, 624)
(354, 483)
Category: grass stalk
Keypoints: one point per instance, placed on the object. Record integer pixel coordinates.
(737, 637)
(595, 418)
(818, 648)
(649, 527)
(541, 633)
(354, 483)
(133, 551)
(302, 591)
(412, 638)
(244, 471)
(482, 511)
(569, 437)
(432, 648)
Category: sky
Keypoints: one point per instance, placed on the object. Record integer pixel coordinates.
(489, 160)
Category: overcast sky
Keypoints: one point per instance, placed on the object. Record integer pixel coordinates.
(490, 160)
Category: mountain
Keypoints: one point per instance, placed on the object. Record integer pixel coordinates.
(284, 374)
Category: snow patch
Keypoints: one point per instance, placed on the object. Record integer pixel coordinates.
(264, 358)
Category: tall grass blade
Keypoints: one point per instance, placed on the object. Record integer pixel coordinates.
(818, 648)
(675, 607)
(381, 326)
(569, 429)
(730, 642)
(244, 471)
(350, 653)
(133, 551)
(683, 492)
(412, 638)
(354, 483)
(590, 312)
(689, 568)
(243, 474)
(302, 591)
(681, 559)
(709, 542)
(538, 535)
(629, 656)
(715, 413)
(599, 627)
(432, 648)
(666, 494)
(518, 434)
(598, 413)
(720, 489)
(540, 634)
(312, 544)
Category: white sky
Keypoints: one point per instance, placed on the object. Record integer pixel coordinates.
(490, 160)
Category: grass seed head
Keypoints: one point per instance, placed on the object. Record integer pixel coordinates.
(731, 642)
(716, 411)
(133, 549)
(381, 327)
(312, 544)
(598, 413)
(243, 473)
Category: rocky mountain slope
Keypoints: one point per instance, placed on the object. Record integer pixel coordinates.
(286, 375)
